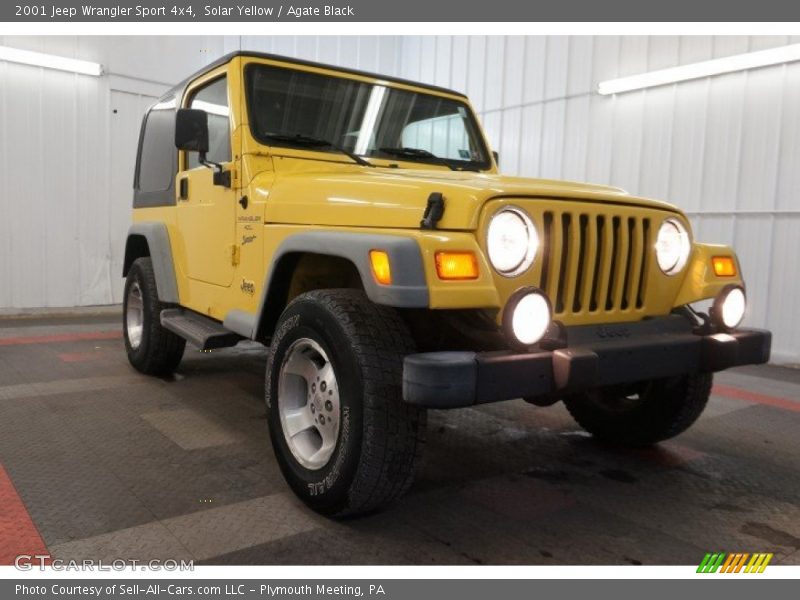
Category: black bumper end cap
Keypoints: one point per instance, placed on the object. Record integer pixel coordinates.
(719, 351)
(575, 369)
(440, 379)
(745, 347)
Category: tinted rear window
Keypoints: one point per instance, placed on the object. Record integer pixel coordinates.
(158, 151)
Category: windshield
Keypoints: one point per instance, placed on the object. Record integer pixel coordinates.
(365, 119)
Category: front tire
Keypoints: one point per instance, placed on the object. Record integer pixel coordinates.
(343, 437)
(642, 414)
(151, 349)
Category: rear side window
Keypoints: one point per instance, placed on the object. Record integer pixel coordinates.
(158, 149)
(213, 98)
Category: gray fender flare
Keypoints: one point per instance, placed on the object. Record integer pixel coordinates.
(158, 244)
(408, 289)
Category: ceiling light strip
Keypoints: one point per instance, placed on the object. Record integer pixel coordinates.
(707, 68)
(50, 61)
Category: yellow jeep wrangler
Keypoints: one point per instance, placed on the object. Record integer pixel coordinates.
(357, 225)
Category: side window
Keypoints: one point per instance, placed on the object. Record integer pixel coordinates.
(158, 149)
(213, 98)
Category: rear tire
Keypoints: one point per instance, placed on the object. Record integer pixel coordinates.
(644, 413)
(151, 349)
(369, 455)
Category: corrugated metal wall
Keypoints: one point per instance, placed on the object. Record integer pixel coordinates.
(726, 149)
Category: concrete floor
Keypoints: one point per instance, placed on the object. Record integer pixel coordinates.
(97, 461)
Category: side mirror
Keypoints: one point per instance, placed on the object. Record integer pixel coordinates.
(191, 130)
(496, 157)
(191, 135)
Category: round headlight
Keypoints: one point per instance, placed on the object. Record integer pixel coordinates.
(672, 246)
(526, 317)
(511, 241)
(728, 309)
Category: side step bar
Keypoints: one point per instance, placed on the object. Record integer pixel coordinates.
(203, 332)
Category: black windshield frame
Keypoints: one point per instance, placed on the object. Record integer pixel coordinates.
(470, 122)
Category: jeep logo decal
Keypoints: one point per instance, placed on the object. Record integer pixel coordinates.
(248, 287)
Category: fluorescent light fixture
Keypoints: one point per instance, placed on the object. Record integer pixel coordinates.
(707, 68)
(50, 61)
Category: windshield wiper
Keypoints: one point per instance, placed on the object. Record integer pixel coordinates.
(312, 142)
(421, 154)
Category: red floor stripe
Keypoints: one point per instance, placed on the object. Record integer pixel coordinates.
(18, 534)
(62, 337)
(740, 394)
(75, 357)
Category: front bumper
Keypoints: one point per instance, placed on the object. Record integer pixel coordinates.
(594, 356)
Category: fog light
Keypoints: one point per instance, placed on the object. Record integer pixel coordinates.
(728, 309)
(526, 316)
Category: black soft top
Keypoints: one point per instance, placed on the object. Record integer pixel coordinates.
(178, 89)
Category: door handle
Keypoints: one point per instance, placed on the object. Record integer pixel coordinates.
(183, 189)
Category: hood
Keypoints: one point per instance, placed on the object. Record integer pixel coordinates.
(358, 197)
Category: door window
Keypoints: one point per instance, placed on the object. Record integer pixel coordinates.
(213, 98)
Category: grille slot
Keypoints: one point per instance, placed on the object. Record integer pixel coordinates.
(594, 263)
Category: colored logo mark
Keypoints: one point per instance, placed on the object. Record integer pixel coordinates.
(735, 562)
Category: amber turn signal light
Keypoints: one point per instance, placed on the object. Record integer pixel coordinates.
(724, 266)
(381, 269)
(456, 265)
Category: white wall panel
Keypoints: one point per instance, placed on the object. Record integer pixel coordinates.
(533, 71)
(688, 144)
(551, 158)
(510, 138)
(656, 143)
(556, 67)
(762, 108)
(788, 186)
(444, 61)
(723, 124)
(476, 72)
(513, 69)
(626, 142)
(726, 149)
(494, 73)
(68, 147)
(784, 286)
(531, 147)
(459, 59)
(576, 138)
(579, 71)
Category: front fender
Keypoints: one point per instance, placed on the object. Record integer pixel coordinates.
(700, 282)
(408, 289)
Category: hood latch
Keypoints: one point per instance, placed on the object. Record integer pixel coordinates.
(434, 211)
